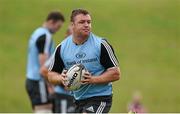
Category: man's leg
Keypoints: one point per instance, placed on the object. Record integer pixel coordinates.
(45, 108)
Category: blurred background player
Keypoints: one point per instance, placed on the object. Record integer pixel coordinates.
(62, 99)
(69, 31)
(40, 48)
(136, 106)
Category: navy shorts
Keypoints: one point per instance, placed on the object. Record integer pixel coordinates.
(37, 91)
(99, 104)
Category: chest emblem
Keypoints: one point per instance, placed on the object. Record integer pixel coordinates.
(80, 55)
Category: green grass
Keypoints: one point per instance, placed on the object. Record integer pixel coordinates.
(144, 33)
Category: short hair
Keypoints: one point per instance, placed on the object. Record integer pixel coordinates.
(76, 12)
(55, 16)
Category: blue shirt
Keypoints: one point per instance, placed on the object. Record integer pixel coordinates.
(96, 54)
(40, 42)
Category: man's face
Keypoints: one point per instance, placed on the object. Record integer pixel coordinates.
(55, 25)
(82, 25)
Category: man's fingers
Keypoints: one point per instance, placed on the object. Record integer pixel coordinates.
(64, 75)
(84, 83)
(86, 73)
(64, 71)
(85, 80)
(63, 78)
(87, 76)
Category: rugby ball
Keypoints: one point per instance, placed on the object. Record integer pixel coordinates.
(74, 76)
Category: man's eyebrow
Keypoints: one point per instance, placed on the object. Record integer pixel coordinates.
(85, 20)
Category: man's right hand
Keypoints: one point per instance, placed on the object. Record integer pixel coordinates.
(63, 74)
(56, 78)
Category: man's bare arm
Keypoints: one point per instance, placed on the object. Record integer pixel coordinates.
(110, 75)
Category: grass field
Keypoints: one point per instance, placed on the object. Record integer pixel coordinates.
(144, 33)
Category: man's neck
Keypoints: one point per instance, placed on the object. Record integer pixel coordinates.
(46, 26)
(79, 39)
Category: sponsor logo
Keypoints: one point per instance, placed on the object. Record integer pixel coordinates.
(80, 55)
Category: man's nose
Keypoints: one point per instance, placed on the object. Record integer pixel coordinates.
(86, 24)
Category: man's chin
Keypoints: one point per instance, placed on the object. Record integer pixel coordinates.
(86, 34)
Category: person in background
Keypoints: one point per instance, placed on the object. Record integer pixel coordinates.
(136, 106)
(69, 31)
(40, 48)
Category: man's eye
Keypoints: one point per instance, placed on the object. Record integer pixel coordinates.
(81, 22)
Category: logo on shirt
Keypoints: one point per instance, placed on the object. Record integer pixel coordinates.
(91, 109)
(80, 55)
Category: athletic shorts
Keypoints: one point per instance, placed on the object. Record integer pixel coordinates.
(37, 91)
(63, 103)
(99, 104)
